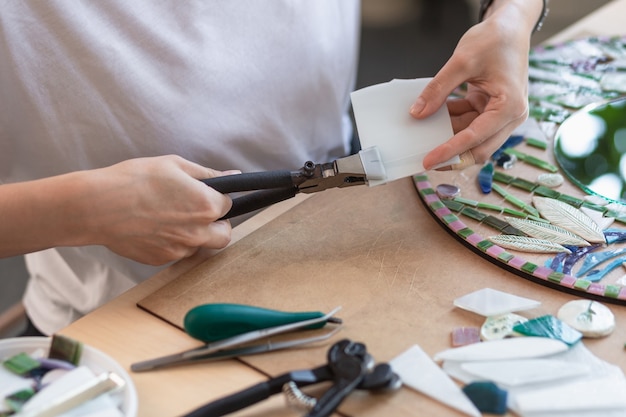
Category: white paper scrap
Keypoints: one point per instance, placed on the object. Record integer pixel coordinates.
(382, 118)
(418, 371)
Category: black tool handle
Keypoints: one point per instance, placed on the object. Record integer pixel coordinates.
(258, 200)
(250, 181)
(234, 402)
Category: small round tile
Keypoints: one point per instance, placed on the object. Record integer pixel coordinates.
(499, 327)
(550, 180)
(591, 318)
(447, 191)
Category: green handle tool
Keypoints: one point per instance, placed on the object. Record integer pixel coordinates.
(213, 322)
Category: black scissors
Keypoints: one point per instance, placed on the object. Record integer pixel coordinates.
(280, 185)
(349, 367)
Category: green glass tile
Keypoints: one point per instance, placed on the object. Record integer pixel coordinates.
(436, 205)
(490, 206)
(495, 222)
(523, 184)
(595, 207)
(540, 163)
(466, 201)
(529, 267)
(544, 191)
(572, 201)
(515, 213)
(612, 291)
(510, 230)
(537, 143)
(582, 284)
(427, 191)
(556, 277)
(21, 363)
(449, 218)
(484, 245)
(473, 214)
(465, 233)
(519, 203)
(502, 177)
(420, 177)
(453, 205)
(506, 256)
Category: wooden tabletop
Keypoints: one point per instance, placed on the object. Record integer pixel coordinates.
(130, 334)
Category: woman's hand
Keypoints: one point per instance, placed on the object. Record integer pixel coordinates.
(154, 210)
(492, 59)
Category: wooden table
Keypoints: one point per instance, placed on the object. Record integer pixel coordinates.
(130, 334)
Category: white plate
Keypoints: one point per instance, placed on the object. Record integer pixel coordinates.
(96, 360)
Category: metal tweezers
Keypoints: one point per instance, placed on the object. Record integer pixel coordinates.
(226, 348)
(273, 186)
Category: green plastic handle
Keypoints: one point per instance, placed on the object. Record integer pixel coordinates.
(213, 322)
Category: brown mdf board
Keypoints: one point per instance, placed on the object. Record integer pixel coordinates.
(378, 253)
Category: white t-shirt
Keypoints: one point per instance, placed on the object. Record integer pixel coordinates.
(230, 84)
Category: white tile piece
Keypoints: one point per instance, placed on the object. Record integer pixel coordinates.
(489, 302)
(418, 371)
(504, 349)
(515, 373)
(382, 117)
(581, 395)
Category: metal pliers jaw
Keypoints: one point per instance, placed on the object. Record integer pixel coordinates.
(349, 367)
(275, 186)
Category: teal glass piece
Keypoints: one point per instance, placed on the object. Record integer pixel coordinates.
(596, 275)
(487, 397)
(485, 177)
(549, 326)
(590, 147)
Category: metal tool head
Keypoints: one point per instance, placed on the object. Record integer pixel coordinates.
(357, 169)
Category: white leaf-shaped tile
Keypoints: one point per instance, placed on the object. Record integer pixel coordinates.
(569, 218)
(528, 244)
(547, 231)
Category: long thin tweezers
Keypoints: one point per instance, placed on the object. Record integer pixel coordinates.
(217, 350)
